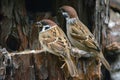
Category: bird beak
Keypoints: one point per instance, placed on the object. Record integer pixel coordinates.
(60, 10)
(65, 14)
(39, 24)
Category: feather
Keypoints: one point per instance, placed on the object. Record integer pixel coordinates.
(55, 41)
(80, 36)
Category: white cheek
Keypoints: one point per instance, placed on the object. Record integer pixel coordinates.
(71, 20)
(43, 29)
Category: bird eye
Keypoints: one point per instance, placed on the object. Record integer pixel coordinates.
(45, 27)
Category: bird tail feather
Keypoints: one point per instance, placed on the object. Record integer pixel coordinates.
(71, 67)
(105, 62)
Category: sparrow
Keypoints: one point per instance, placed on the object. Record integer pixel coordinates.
(79, 35)
(53, 40)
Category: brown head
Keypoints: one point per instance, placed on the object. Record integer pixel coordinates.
(45, 24)
(69, 10)
(48, 22)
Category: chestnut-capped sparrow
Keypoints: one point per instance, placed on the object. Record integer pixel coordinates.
(80, 36)
(53, 40)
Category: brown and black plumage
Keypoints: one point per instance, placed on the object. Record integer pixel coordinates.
(53, 40)
(80, 36)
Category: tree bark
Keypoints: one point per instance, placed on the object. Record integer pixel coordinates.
(18, 33)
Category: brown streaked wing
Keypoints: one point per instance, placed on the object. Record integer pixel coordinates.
(90, 43)
(58, 46)
(48, 40)
(78, 37)
(81, 36)
(84, 27)
(58, 41)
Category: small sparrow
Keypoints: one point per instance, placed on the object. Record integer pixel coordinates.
(79, 35)
(53, 40)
